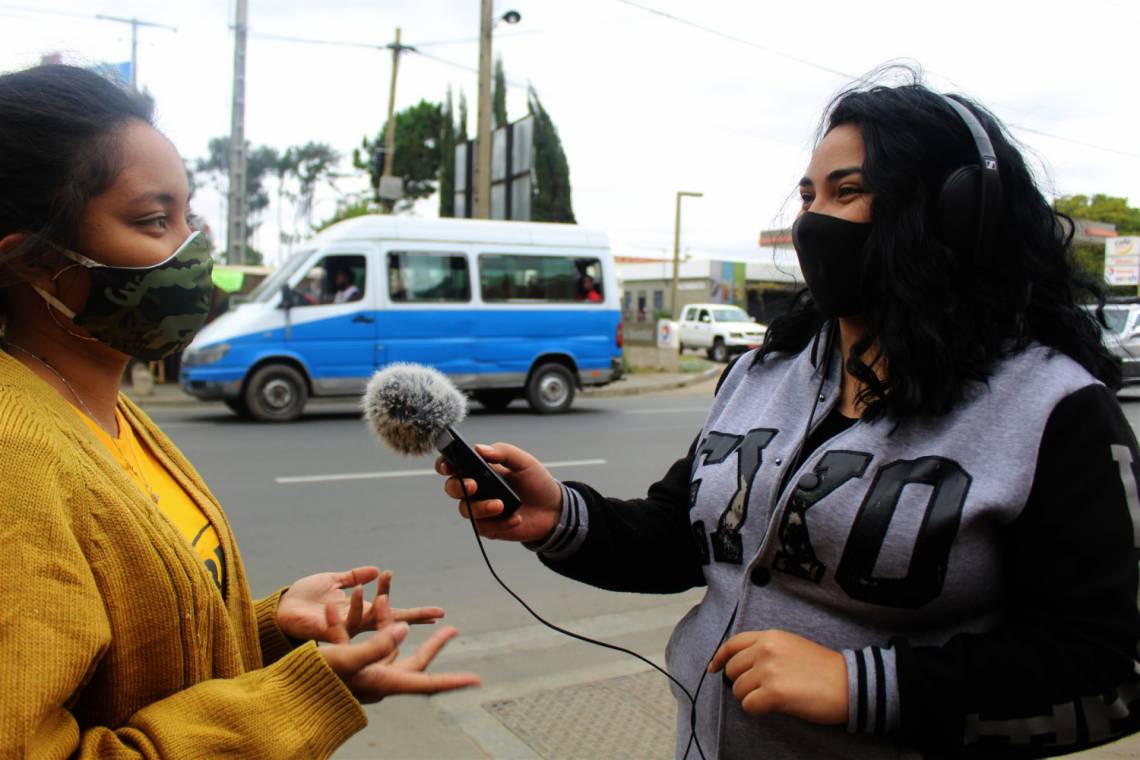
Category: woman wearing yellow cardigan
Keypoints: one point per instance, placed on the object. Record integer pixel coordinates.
(126, 623)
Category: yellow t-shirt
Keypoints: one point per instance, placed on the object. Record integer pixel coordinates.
(169, 496)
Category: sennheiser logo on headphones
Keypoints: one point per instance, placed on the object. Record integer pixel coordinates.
(991, 164)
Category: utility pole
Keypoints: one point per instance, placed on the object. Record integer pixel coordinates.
(391, 190)
(235, 222)
(677, 248)
(482, 178)
(135, 24)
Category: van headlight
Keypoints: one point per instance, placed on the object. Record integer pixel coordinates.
(206, 354)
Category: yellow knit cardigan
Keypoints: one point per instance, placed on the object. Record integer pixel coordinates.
(114, 640)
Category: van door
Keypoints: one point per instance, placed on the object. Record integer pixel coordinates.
(333, 323)
(429, 317)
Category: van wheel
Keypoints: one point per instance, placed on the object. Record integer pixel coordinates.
(237, 406)
(495, 400)
(550, 389)
(276, 393)
(719, 351)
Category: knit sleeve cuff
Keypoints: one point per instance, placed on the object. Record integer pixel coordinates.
(872, 691)
(274, 643)
(327, 713)
(570, 532)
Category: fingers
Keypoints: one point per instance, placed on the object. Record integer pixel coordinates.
(377, 648)
(427, 651)
(443, 467)
(730, 648)
(457, 490)
(357, 576)
(414, 682)
(336, 632)
(355, 610)
(417, 615)
(482, 510)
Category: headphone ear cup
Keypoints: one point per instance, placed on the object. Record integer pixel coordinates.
(958, 209)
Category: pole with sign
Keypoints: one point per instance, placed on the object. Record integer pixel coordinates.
(1122, 261)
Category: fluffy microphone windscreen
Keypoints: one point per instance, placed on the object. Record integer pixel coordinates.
(409, 405)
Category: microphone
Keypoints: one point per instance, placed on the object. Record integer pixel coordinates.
(414, 409)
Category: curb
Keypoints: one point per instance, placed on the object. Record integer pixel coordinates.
(611, 392)
(183, 400)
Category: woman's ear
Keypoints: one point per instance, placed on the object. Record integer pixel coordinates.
(12, 250)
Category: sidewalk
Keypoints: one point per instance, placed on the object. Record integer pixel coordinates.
(171, 395)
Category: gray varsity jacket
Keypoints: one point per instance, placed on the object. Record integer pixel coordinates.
(977, 571)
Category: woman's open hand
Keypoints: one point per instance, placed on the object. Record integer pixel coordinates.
(301, 613)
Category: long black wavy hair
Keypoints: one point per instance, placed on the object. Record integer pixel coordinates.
(936, 317)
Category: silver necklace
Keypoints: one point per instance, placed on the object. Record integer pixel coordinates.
(126, 461)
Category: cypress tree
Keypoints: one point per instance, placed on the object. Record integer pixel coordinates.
(447, 159)
(551, 194)
(499, 95)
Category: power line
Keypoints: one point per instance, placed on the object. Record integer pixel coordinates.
(820, 67)
(734, 38)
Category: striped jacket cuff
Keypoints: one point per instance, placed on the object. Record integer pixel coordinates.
(570, 532)
(872, 691)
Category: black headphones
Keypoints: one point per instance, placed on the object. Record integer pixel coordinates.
(970, 199)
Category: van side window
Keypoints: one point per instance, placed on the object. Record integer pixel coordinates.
(515, 277)
(690, 313)
(704, 316)
(415, 277)
(333, 279)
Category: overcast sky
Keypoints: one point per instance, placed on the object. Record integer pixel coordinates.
(645, 105)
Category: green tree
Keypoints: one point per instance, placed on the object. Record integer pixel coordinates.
(309, 164)
(417, 150)
(447, 159)
(350, 210)
(1100, 208)
(499, 95)
(461, 122)
(551, 200)
(260, 162)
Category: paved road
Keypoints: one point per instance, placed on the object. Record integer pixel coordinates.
(298, 504)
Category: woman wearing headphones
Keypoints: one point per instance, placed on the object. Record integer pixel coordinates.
(126, 623)
(915, 506)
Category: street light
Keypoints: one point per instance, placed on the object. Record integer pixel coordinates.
(482, 178)
(677, 247)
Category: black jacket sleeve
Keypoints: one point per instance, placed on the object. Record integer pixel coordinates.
(644, 545)
(1057, 673)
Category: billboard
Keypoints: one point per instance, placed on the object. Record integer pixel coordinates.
(512, 156)
(1122, 261)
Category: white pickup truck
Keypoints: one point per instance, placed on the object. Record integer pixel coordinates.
(720, 329)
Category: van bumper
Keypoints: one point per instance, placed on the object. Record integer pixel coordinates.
(207, 389)
(597, 377)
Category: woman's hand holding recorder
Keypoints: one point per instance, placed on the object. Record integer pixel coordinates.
(541, 495)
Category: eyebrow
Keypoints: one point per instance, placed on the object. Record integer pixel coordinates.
(165, 199)
(835, 175)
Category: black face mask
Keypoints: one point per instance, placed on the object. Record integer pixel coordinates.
(831, 253)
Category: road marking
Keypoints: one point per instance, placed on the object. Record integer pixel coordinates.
(673, 410)
(292, 479)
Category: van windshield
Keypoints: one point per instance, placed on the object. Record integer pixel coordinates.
(271, 285)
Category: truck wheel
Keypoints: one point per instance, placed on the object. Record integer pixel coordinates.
(719, 351)
(237, 406)
(495, 400)
(276, 393)
(550, 389)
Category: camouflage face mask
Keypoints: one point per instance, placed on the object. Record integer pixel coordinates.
(146, 312)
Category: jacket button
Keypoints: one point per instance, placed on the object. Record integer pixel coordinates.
(809, 482)
(761, 575)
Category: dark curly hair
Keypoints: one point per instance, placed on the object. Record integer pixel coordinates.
(937, 317)
(59, 139)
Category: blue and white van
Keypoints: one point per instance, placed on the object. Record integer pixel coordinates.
(506, 309)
